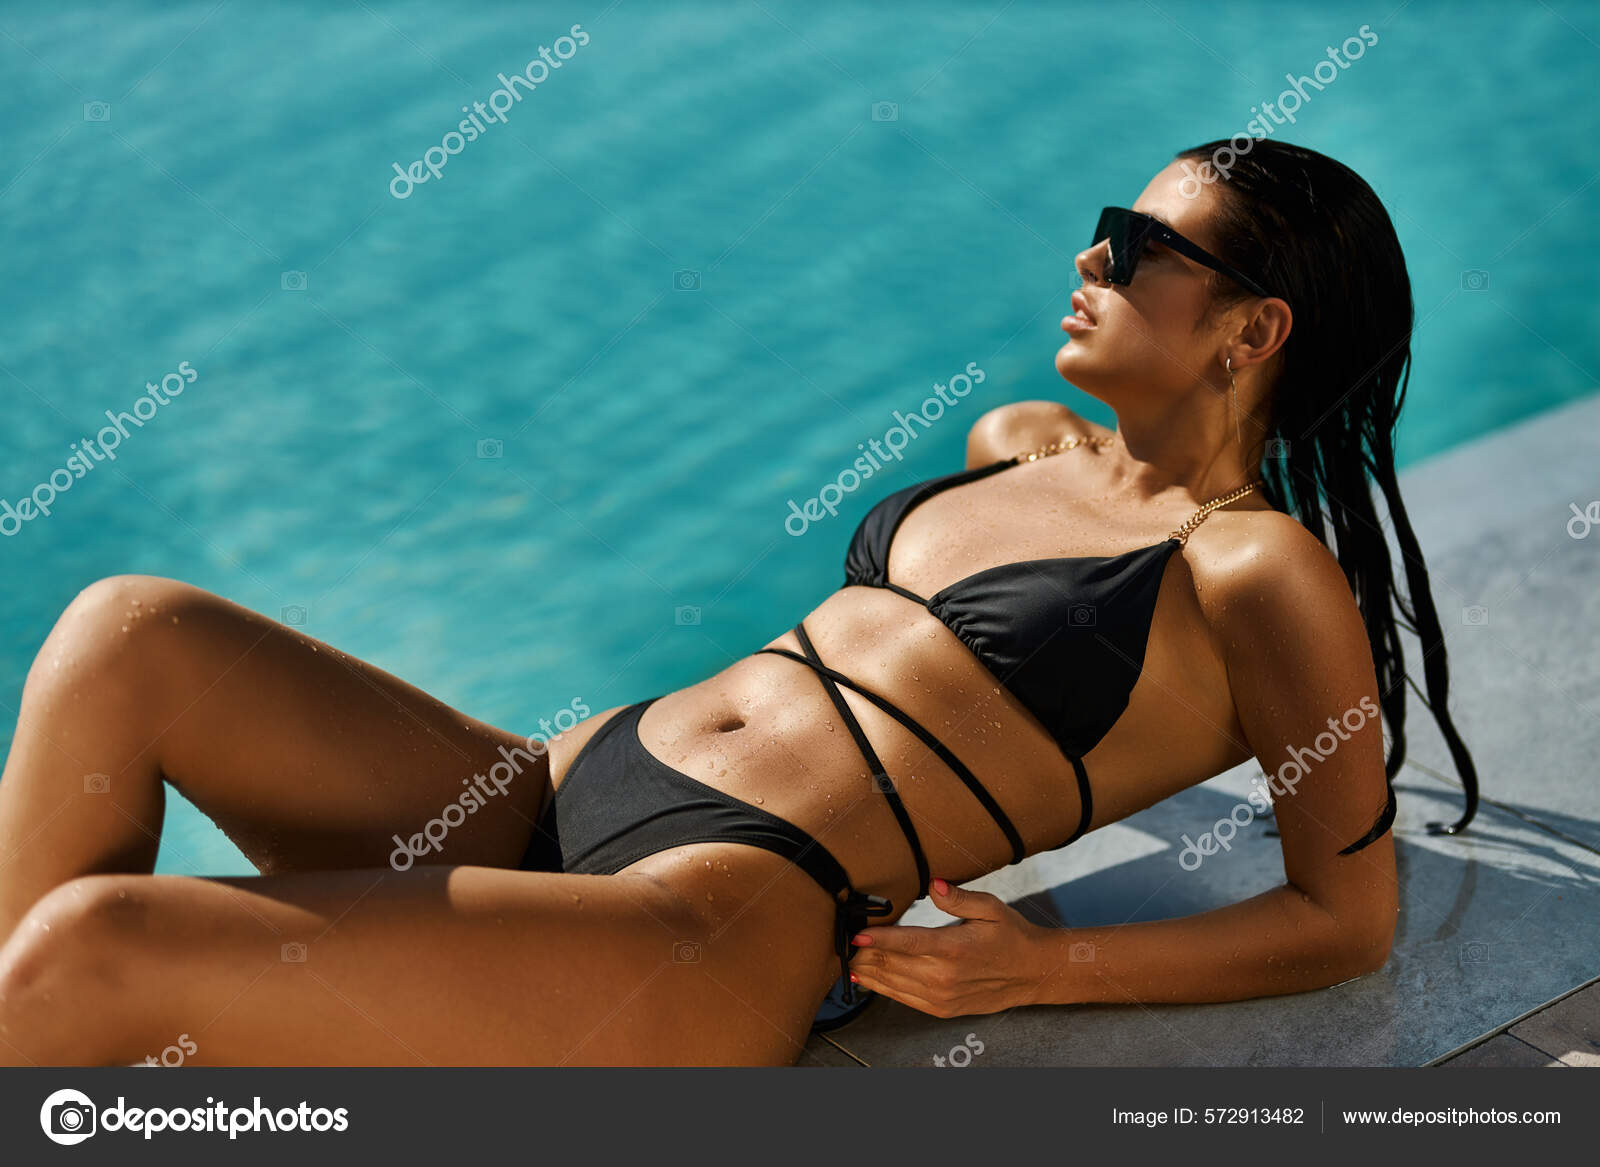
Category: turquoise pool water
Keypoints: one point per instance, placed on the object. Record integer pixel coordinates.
(325, 456)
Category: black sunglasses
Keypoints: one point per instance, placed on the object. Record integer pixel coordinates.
(1129, 231)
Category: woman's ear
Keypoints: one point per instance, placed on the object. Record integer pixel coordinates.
(1263, 334)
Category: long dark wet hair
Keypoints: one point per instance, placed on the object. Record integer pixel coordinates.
(1311, 228)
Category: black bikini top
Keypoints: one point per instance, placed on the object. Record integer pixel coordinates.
(1066, 637)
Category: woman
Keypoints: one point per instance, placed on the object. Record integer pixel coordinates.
(1018, 657)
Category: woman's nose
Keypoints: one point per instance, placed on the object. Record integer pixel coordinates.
(1090, 262)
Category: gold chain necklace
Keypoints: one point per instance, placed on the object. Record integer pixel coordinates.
(1065, 444)
(1183, 532)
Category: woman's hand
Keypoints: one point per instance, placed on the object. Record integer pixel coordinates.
(987, 962)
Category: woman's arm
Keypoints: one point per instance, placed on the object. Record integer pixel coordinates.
(1297, 656)
(1304, 688)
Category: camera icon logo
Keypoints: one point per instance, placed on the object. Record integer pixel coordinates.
(97, 111)
(1475, 952)
(1475, 616)
(97, 783)
(293, 281)
(491, 448)
(883, 784)
(686, 281)
(686, 615)
(885, 111)
(685, 952)
(68, 1117)
(293, 953)
(1081, 615)
(1475, 280)
(1277, 448)
(1082, 952)
(293, 615)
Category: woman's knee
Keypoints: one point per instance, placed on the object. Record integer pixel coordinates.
(122, 603)
(73, 981)
(76, 938)
(115, 631)
(90, 668)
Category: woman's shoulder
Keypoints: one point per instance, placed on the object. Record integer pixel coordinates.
(1259, 567)
(1022, 426)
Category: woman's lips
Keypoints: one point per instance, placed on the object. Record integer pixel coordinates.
(1082, 320)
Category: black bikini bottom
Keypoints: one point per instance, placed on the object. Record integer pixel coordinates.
(620, 803)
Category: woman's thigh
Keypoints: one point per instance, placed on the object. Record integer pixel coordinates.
(710, 954)
(308, 757)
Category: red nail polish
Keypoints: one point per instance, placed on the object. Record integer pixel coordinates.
(854, 980)
(861, 940)
(941, 887)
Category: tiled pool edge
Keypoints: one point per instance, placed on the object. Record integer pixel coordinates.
(1462, 1056)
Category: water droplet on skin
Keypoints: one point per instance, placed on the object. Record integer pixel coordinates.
(759, 801)
(709, 896)
(174, 619)
(136, 603)
(124, 627)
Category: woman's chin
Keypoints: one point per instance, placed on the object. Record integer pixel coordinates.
(1069, 361)
(1076, 369)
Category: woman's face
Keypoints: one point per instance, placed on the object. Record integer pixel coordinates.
(1143, 338)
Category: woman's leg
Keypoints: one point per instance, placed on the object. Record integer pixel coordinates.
(307, 757)
(708, 954)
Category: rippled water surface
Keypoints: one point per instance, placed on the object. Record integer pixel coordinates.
(863, 199)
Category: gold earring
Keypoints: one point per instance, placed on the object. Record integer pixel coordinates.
(1233, 398)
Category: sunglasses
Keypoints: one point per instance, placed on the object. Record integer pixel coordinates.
(1129, 231)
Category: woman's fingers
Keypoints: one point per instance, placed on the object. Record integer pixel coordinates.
(908, 990)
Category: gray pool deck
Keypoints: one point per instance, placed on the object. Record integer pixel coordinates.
(1497, 949)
